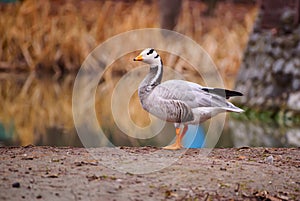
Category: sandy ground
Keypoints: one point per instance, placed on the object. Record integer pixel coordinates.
(48, 173)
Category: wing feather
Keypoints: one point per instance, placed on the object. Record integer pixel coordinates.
(174, 101)
(189, 93)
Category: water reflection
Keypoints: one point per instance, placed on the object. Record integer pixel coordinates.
(37, 110)
(30, 105)
(271, 134)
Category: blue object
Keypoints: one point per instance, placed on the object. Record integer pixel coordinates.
(194, 137)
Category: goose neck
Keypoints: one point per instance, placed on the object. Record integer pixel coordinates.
(155, 74)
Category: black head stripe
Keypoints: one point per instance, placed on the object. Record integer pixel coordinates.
(156, 56)
(150, 51)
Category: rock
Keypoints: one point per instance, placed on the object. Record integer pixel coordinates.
(278, 66)
(293, 136)
(268, 62)
(277, 53)
(253, 49)
(268, 79)
(293, 101)
(296, 84)
(16, 185)
(269, 159)
(260, 100)
(268, 91)
(243, 75)
(289, 43)
(270, 72)
(289, 68)
(287, 20)
(269, 49)
(257, 75)
(296, 62)
(286, 54)
(287, 17)
(278, 41)
(254, 38)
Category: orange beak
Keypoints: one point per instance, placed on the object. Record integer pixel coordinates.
(138, 58)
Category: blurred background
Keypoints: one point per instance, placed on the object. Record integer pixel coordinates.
(255, 46)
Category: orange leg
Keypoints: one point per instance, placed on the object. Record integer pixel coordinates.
(179, 136)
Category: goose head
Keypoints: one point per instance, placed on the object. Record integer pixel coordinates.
(149, 56)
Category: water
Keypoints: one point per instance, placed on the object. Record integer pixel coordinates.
(38, 111)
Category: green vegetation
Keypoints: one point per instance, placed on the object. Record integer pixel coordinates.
(281, 117)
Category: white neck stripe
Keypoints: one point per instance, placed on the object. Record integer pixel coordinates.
(158, 73)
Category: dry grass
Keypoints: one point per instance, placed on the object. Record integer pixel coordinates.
(56, 36)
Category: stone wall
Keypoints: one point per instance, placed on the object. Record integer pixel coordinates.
(270, 72)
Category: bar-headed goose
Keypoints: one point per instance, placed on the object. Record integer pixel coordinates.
(178, 101)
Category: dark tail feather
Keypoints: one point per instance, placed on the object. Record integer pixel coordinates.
(222, 92)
